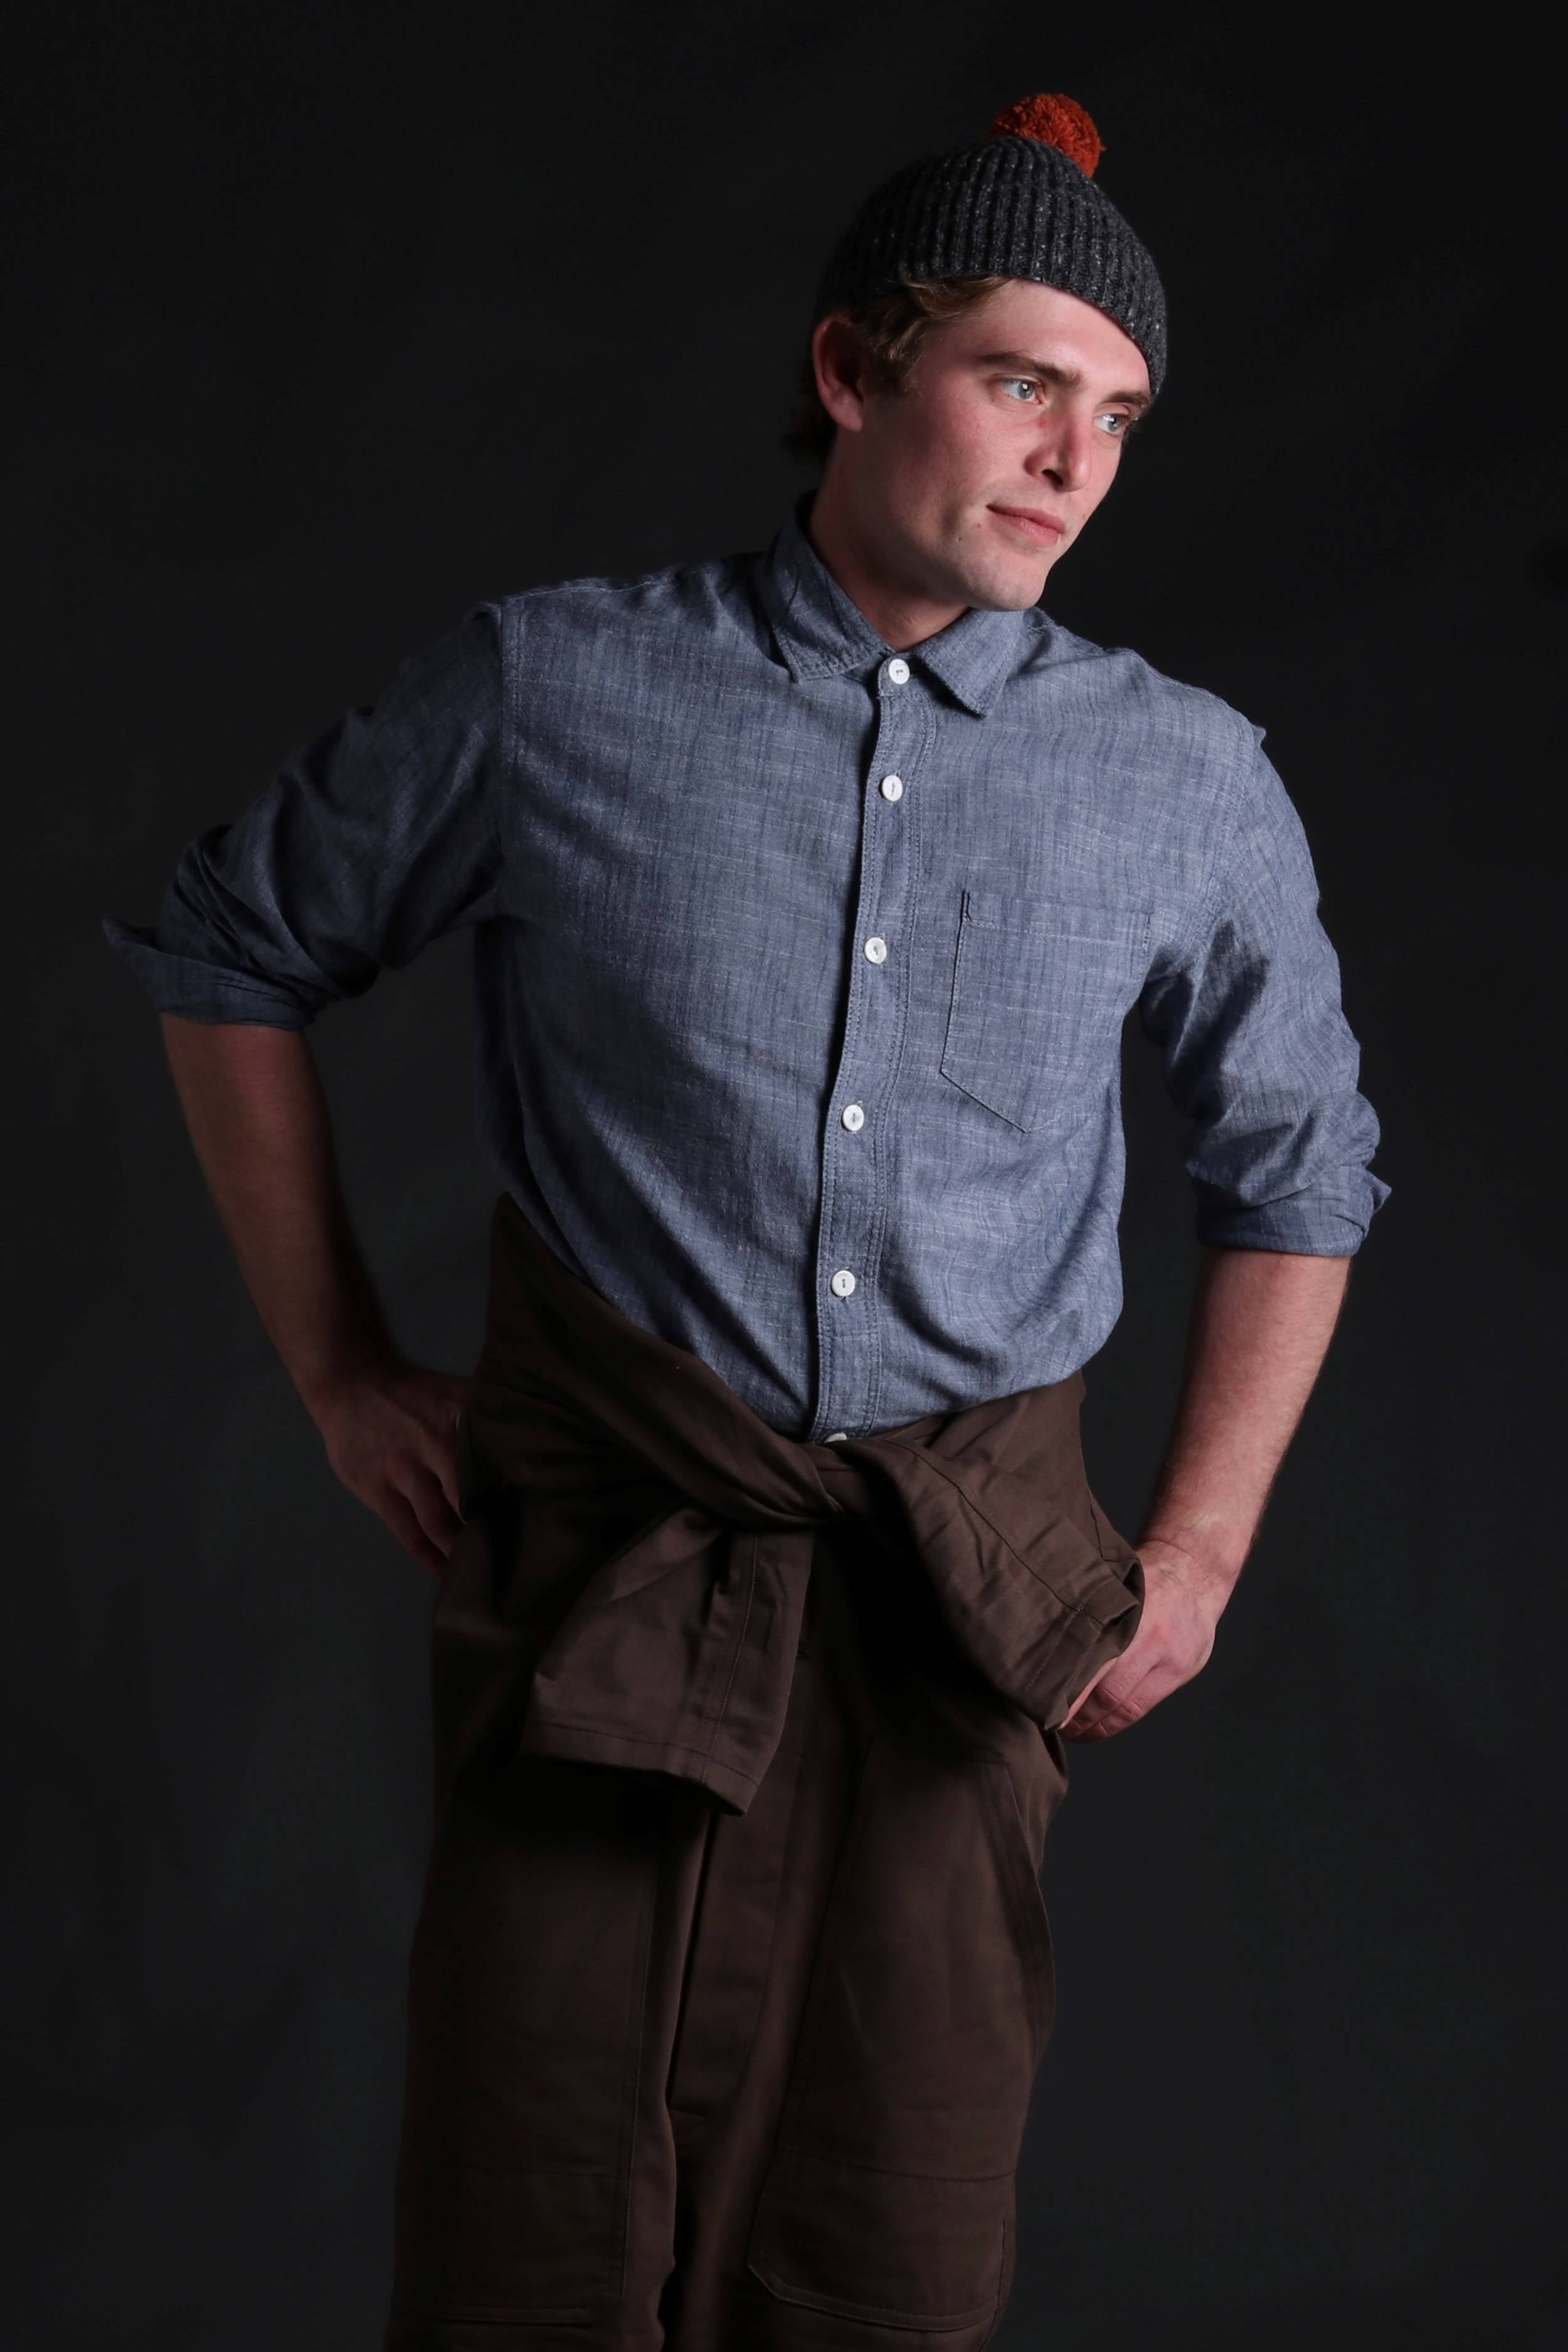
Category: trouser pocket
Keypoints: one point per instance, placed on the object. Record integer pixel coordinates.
(890, 2197)
(527, 1983)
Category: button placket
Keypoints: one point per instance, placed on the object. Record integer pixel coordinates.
(851, 1225)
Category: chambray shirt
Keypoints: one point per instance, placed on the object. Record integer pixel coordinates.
(800, 967)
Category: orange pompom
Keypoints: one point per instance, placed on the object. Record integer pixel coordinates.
(1056, 121)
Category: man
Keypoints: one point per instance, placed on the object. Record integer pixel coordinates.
(810, 892)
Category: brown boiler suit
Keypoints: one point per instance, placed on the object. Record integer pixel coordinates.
(732, 1974)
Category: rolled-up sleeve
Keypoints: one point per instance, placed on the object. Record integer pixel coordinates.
(1257, 1054)
(374, 838)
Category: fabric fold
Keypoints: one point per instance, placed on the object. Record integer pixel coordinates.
(675, 1652)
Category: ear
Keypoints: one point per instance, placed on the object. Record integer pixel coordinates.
(838, 361)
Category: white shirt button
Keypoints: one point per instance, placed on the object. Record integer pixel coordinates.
(836, 1437)
(854, 1118)
(897, 671)
(891, 788)
(877, 951)
(842, 1284)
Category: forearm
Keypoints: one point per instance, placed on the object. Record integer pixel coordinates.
(258, 1121)
(1260, 1326)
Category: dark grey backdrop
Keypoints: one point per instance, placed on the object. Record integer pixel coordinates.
(327, 322)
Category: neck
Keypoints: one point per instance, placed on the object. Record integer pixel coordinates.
(901, 613)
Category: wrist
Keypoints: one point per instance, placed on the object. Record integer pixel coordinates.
(325, 1388)
(1207, 1559)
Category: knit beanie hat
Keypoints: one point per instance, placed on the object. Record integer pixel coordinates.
(1020, 203)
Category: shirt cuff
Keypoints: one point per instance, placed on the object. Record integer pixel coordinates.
(1309, 1228)
(204, 992)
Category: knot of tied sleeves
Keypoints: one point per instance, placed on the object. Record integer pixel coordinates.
(677, 1650)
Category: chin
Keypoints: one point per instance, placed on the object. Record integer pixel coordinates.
(1010, 589)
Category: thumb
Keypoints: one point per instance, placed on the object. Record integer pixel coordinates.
(1093, 1684)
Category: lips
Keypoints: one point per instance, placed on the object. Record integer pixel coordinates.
(1043, 529)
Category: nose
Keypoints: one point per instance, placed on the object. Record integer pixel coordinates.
(1065, 454)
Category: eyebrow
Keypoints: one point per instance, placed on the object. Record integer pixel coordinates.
(1069, 379)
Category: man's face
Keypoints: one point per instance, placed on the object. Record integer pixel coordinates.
(968, 483)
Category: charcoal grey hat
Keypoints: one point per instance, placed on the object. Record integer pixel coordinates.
(1020, 203)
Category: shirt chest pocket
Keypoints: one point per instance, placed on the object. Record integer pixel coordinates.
(1040, 989)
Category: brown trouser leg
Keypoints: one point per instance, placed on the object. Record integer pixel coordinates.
(710, 2082)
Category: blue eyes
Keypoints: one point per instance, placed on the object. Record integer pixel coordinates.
(1112, 421)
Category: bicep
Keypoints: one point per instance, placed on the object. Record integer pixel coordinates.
(372, 839)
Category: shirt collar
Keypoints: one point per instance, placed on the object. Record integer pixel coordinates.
(821, 633)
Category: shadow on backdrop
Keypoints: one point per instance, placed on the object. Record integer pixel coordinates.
(332, 322)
